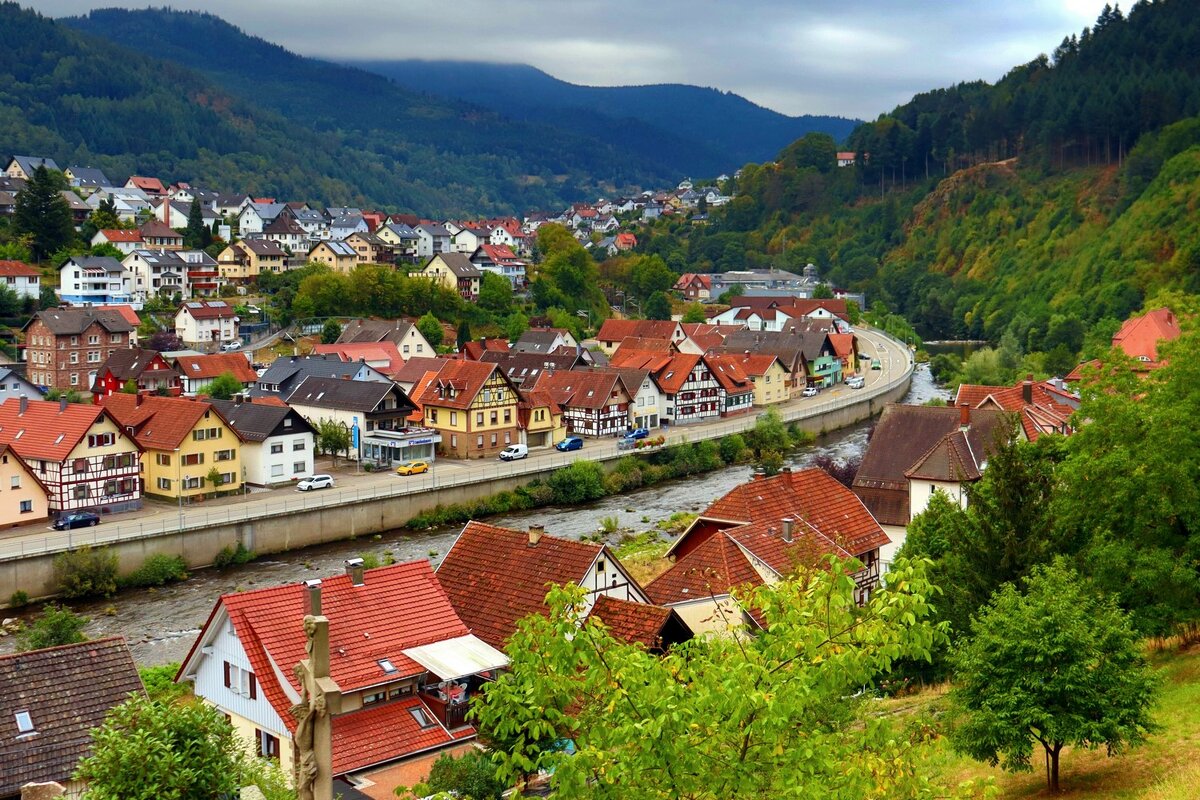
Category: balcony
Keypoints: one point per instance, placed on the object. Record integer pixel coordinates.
(451, 712)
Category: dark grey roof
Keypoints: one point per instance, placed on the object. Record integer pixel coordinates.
(374, 330)
(416, 367)
(30, 163)
(268, 211)
(435, 230)
(402, 230)
(536, 340)
(89, 176)
(257, 421)
(74, 321)
(459, 264)
(341, 211)
(362, 396)
(288, 372)
(521, 367)
(263, 247)
(66, 691)
(129, 363)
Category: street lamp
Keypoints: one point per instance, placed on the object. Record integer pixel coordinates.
(179, 484)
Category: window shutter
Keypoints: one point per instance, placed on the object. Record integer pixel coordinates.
(226, 674)
(253, 687)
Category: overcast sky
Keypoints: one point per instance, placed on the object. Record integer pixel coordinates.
(854, 58)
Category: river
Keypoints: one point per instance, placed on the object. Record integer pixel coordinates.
(161, 624)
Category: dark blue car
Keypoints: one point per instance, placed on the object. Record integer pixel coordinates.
(638, 433)
(570, 443)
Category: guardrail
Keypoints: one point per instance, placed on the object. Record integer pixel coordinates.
(283, 504)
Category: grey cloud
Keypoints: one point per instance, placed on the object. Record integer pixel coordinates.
(849, 57)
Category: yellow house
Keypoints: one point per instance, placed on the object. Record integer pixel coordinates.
(454, 271)
(339, 256)
(247, 259)
(474, 408)
(189, 448)
(23, 496)
(769, 376)
(541, 419)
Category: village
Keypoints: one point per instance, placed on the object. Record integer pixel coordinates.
(356, 683)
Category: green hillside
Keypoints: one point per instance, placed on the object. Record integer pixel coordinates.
(279, 129)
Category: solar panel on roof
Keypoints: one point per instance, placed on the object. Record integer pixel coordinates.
(193, 305)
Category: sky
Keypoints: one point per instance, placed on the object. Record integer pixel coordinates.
(854, 58)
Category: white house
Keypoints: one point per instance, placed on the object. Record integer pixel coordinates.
(21, 278)
(204, 322)
(255, 216)
(431, 240)
(95, 280)
(128, 203)
(468, 240)
(279, 442)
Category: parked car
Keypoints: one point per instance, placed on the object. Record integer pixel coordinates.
(315, 482)
(76, 519)
(626, 442)
(856, 382)
(513, 452)
(570, 443)
(810, 391)
(236, 344)
(638, 433)
(412, 468)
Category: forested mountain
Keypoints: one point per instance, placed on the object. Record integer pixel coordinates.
(701, 131)
(1055, 221)
(271, 123)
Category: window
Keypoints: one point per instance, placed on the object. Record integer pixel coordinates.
(453, 417)
(374, 697)
(600, 565)
(507, 416)
(227, 478)
(101, 439)
(433, 415)
(479, 441)
(110, 488)
(479, 418)
(93, 356)
(15, 482)
(268, 745)
(495, 418)
(299, 466)
(422, 717)
(115, 338)
(24, 722)
(74, 339)
(508, 437)
(277, 448)
(193, 459)
(118, 461)
(74, 378)
(164, 484)
(277, 470)
(454, 440)
(74, 357)
(224, 455)
(203, 434)
(82, 492)
(93, 339)
(401, 691)
(493, 440)
(163, 459)
(26, 506)
(193, 483)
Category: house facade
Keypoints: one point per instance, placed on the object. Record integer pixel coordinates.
(206, 322)
(197, 373)
(454, 271)
(148, 370)
(64, 346)
(474, 408)
(24, 499)
(374, 413)
(278, 443)
(593, 403)
(95, 280)
(22, 279)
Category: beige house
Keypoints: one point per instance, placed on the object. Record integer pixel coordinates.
(455, 271)
(339, 256)
(23, 496)
(245, 260)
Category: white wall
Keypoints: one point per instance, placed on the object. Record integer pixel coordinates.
(260, 463)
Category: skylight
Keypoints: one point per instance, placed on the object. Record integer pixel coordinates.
(386, 665)
(24, 722)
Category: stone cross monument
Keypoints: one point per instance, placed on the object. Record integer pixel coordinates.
(320, 699)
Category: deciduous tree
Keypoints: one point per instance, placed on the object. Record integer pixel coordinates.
(56, 625)
(431, 329)
(225, 386)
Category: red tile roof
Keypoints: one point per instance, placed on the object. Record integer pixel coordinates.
(843, 344)
(159, 423)
(757, 364)
(636, 623)
(1048, 409)
(147, 184)
(127, 313)
(474, 349)
(727, 369)
(706, 336)
(493, 576)
(17, 269)
(378, 734)
(46, 431)
(675, 373)
(578, 388)
(713, 568)
(1139, 336)
(466, 378)
(115, 235)
(949, 460)
(809, 496)
(385, 354)
(210, 366)
(614, 330)
(203, 309)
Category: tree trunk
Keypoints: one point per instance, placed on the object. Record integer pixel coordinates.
(1052, 776)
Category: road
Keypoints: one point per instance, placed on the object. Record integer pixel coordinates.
(157, 518)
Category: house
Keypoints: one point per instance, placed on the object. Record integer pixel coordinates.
(647, 402)
(96, 281)
(845, 346)
(129, 204)
(613, 331)
(79, 452)
(244, 261)
(544, 340)
(626, 242)
(278, 443)
(414, 370)
(383, 356)
(432, 240)
(153, 187)
(474, 349)
(692, 393)
(1041, 407)
(1139, 337)
(694, 287)
(371, 249)
(23, 167)
(14, 384)
(761, 532)
(375, 414)
(157, 273)
(63, 345)
(401, 238)
(468, 239)
(737, 388)
(206, 322)
(51, 700)
(8, 203)
(339, 256)
(496, 576)
(916, 450)
(845, 158)
(286, 232)
(254, 217)
(203, 273)
(454, 271)
(159, 235)
(176, 213)
(809, 357)
(79, 209)
(503, 261)
(656, 628)
(147, 369)
(524, 368)
(593, 403)
(189, 451)
(313, 222)
(473, 406)
(540, 419)
(705, 337)
(769, 377)
(198, 372)
(344, 225)
(401, 332)
(22, 279)
(125, 240)
(25, 499)
(286, 373)
(403, 665)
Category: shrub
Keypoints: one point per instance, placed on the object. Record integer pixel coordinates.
(160, 682)
(731, 448)
(370, 560)
(609, 524)
(228, 556)
(157, 570)
(770, 462)
(18, 599)
(579, 482)
(769, 433)
(86, 572)
(57, 625)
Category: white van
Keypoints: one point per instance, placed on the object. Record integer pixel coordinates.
(513, 452)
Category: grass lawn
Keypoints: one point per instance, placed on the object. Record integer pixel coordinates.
(1167, 767)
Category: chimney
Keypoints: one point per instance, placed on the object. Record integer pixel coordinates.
(312, 597)
(536, 532)
(237, 401)
(1027, 390)
(788, 522)
(24, 404)
(62, 404)
(759, 475)
(787, 470)
(964, 416)
(354, 568)
(137, 400)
